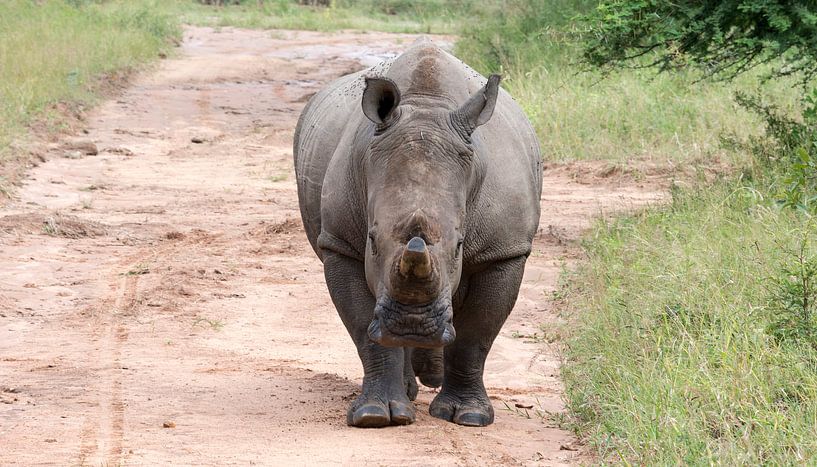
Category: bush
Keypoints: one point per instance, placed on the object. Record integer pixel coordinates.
(724, 38)
(786, 155)
(793, 302)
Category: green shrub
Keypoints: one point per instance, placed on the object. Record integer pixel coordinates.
(786, 154)
(793, 301)
(723, 38)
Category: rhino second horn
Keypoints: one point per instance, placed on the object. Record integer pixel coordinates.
(416, 260)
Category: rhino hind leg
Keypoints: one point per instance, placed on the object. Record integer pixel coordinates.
(409, 379)
(384, 399)
(428, 366)
(490, 297)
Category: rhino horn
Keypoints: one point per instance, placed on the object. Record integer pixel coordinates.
(416, 259)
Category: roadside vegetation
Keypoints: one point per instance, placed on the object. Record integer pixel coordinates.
(427, 16)
(581, 113)
(693, 334)
(58, 55)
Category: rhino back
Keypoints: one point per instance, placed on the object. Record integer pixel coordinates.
(317, 137)
(504, 214)
(331, 134)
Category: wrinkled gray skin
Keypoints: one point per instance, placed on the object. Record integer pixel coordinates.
(419, 185)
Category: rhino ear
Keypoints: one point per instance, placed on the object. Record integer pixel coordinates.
(380, 98)
(480, 106)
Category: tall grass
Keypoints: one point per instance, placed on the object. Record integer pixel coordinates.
(676, 357)
(580, 114)
(56, 51)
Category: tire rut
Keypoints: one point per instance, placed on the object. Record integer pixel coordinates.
(101, 439)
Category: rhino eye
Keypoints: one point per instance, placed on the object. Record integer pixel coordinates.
(459, 248)
(372, 244)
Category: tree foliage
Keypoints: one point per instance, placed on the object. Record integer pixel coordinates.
(724, 38)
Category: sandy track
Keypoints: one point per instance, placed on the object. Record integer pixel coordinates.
(178, 287)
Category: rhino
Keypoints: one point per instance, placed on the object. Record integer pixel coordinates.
(419, 183)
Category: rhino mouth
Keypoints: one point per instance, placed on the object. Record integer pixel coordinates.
(399, 325)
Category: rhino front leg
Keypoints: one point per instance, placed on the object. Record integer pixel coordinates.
(383, 400)
(489, 298)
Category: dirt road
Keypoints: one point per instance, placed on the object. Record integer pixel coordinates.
(159, 302)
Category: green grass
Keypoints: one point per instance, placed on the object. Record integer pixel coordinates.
(673, 357)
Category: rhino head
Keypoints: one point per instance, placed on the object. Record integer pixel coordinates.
(418, 172)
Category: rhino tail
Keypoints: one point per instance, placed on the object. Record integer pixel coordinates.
(422, 40)
(428, 366)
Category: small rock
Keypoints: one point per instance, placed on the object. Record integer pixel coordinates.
(197, 139)
(84, 146)
(50, 440)
(169, 424)
(120, 150)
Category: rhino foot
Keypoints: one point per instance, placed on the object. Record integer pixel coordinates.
(368, 412)
(462, 410)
